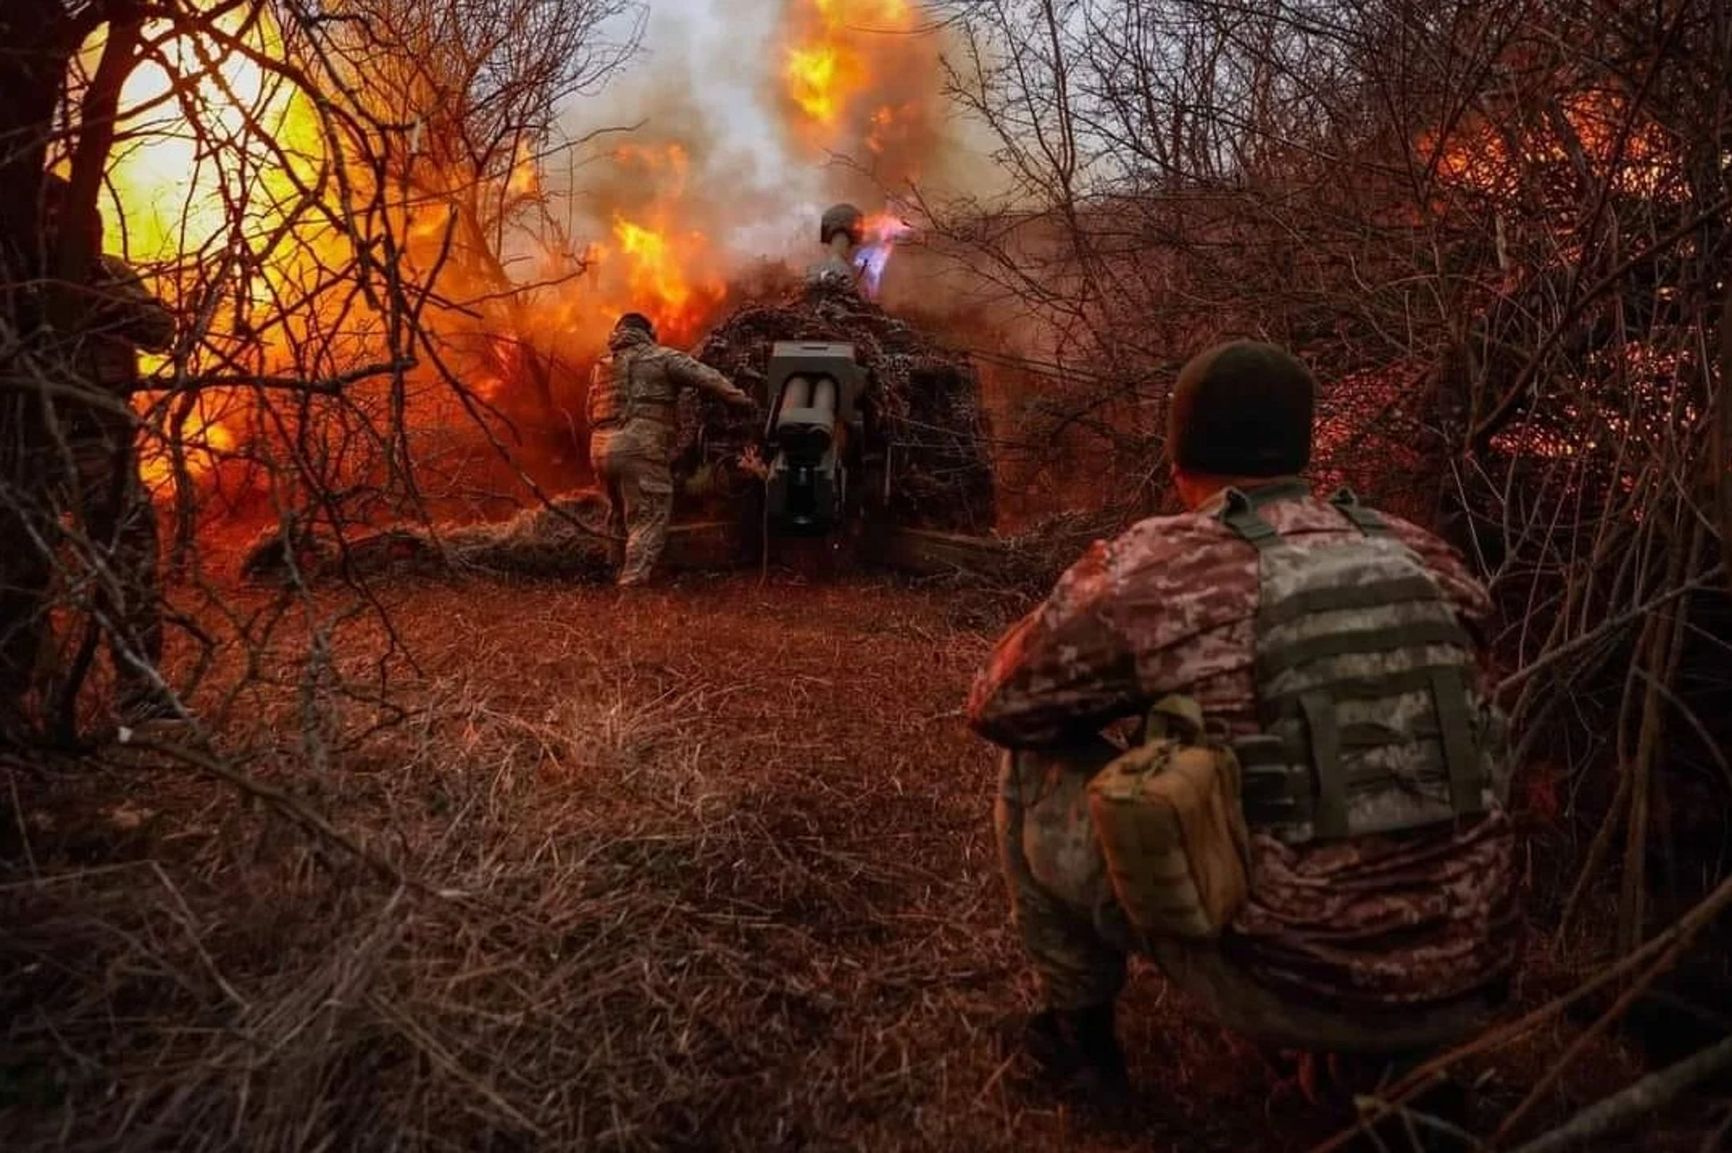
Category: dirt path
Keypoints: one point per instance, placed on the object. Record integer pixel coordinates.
(708, 868)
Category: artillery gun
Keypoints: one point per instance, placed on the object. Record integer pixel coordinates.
(814, 432)
(872, 443)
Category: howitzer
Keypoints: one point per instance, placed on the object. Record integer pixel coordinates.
(814, 430)
(831, 464)
(827, 475)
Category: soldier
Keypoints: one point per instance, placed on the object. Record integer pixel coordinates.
(1351, 942)
(841, 231)
(632, 397)
(98, 465)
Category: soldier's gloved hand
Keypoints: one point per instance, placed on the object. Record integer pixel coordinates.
(752, 462)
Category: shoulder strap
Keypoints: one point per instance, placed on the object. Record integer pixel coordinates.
(1346, 502)
(1239, 511)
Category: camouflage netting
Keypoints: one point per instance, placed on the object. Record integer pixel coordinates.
(563, 539)
(925, 400)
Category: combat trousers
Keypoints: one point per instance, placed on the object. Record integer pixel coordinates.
(1078, 939)
(92, 490)
(114, 510)
(631, 465)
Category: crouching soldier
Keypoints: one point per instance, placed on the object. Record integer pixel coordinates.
(1337, 652)
(633, 395)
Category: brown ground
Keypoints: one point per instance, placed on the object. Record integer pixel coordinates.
(709, 867)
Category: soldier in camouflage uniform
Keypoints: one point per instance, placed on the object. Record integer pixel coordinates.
(96, 466)
(632, 418)
(841, 231)
(1383, 944)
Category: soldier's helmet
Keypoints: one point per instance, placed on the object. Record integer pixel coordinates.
(1242, 409)
(843, 218)
(635, 320)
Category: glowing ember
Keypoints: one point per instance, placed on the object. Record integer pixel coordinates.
(204, 442)
(1477, 156)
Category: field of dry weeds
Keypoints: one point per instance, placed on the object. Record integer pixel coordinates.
(709, 867)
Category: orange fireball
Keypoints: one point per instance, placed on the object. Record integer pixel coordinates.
(831, 64)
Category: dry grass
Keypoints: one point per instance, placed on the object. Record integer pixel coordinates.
(708, 868)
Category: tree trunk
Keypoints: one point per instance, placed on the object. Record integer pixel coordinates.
(42, 38)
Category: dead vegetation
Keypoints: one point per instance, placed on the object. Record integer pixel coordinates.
(565, 537)
(625, 892)
(506, 865)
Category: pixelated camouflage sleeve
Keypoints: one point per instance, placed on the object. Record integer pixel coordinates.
(693, 373)
(127, 309)
(1064, 671)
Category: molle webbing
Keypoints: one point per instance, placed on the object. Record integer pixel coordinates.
(1279, 773)
(1329, 818)
(1361, 666)
(1403, 635)
(1365, 596)
(1460, 742)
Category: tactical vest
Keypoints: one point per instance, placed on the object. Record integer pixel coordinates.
(1364, 675)
(629, 385)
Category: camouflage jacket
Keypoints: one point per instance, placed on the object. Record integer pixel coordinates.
(1414, 918)
(121, 317)
(640, 380)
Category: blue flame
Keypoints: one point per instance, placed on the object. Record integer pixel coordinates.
(869, 261)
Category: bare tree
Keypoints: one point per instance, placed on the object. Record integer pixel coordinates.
(365, 165)
(1497, 229)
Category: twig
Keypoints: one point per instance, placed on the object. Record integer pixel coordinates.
(1662, 951)
(291, 806)
(1638, 1100)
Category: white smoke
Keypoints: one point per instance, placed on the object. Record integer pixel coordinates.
(705, 77)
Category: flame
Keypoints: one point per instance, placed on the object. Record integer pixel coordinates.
(525, 172)
(882, 230)
(655, 262)
(658, 278)
(185, 198)
(171, 195)
(832, 64)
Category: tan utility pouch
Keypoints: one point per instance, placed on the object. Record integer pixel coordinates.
(1171, 827)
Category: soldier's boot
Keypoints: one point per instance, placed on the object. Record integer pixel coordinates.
(1079, 1050)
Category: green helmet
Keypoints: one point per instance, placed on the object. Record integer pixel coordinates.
(844, 218)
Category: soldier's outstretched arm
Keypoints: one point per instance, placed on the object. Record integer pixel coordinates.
(692, 373)
(1064, 671)
(128, 309)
